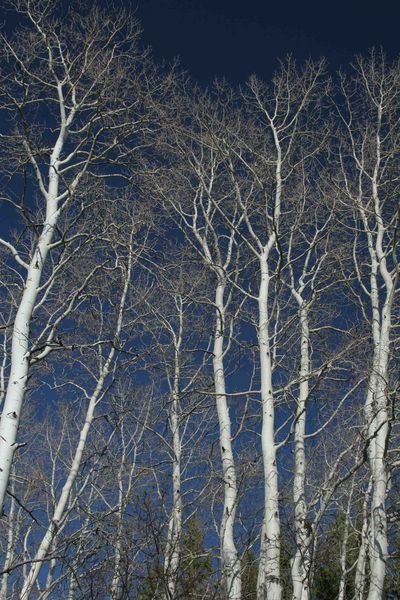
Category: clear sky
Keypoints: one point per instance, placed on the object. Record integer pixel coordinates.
(234, 39)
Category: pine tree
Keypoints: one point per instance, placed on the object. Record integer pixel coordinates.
(194, 573)
(153, 584)
(327, 571)
(249, 575)
(195, 563)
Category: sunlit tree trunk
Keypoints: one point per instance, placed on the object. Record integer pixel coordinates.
(360, 575)
(230, 559)
(10, 545)
(377, 405)
(116, 579)
(63, 65)
(217, 246)
(50, 574)
(269, 585)
(301, 567)
(370, 117)
(174, 536)
(16, 387)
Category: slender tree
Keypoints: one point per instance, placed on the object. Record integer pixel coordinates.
(368, 154)
(70, 75)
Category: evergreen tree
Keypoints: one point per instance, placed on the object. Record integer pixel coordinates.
(327, 571)
(153, 584)
(194, 573)
(249, 575)
(196, 567)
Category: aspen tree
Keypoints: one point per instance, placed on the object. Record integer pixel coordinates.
(67, 108)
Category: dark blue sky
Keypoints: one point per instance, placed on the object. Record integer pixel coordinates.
(234, 39)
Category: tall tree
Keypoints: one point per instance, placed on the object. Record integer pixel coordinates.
(201, 177)
(369, 156)
(71, 95)
(273, 147)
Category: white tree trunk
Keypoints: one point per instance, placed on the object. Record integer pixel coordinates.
(60, 507)
(376, 406)
(10, 548)
(269, 583)
(378, 551)
(173, 546)
(360, 576)
(378, 232)
(301, 566)
(116, 580)
(50, 575)
(16, 387)
(229, 557)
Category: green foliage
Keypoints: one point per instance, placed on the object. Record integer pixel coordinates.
(327, 567)
(195, 562)
(153, 583)
(249, 576)
(194, 570)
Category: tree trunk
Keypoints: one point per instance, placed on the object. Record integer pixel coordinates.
(10, 547)
(360, 576)
(18, 378)
(301, 567)
(269, 583)
(173, 547)
(344, 545)
(376, 411)
(229, 557)
(116, 580)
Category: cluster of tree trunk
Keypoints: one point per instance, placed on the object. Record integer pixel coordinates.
(199, 323)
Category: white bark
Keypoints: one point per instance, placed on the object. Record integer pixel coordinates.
(50, 574)
(72, 77)
(16, 387)
(116, 580)
(229, 556)
(10, 547)
(360, 576)
(66, 490)
(217, 250)
(376, 405)
(378, 418)
(268, 584)
(301, 567)
(173, 546)
(372, 199)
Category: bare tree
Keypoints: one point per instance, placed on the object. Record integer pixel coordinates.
(368, 154)
(68, 107)
(92, 349)
(271, 152)
(201, 173)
